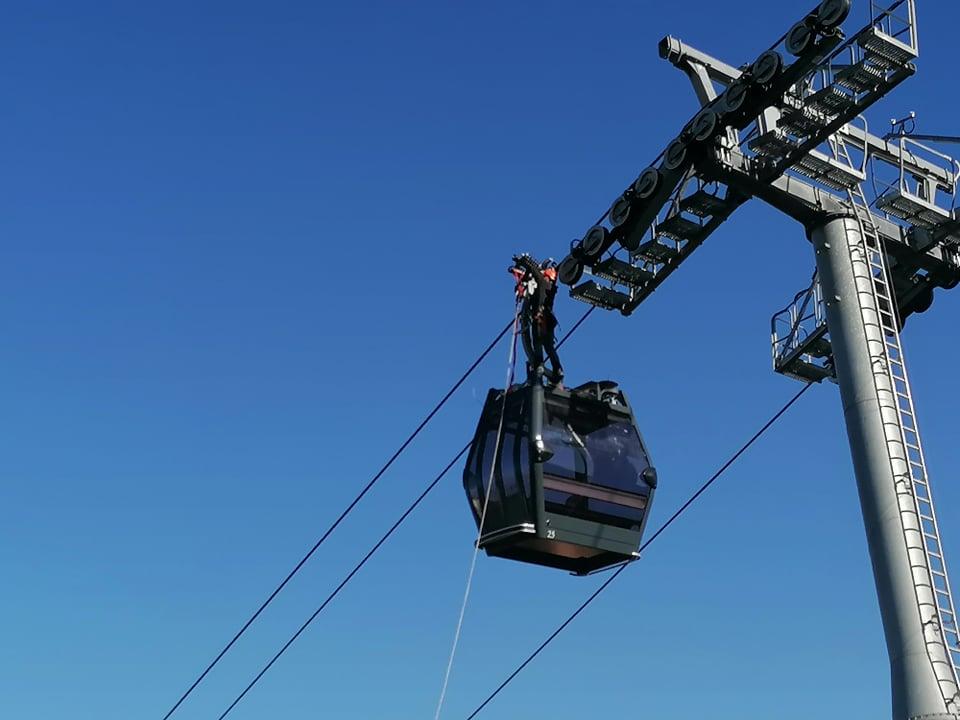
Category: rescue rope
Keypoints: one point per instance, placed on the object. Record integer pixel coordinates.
(386, 536)
(511, 367)
(329, 531)
(343, 583)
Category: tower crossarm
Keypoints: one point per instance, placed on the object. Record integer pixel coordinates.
(891, 151)
(671, 208)
(805, 152)
(791, 134)
(918, 260)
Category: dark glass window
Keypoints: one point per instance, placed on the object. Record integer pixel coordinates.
(617, 457)
(598, 455)
(510, 479)
(570, 459)
(609, 455)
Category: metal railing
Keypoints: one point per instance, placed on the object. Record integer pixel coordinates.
(799, 340)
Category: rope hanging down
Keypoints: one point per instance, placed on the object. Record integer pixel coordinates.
(380, 542)
(606, 583)
(347, 579)
(329, 531)
(511, 368)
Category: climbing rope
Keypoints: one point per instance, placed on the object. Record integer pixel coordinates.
(386, 536)
(511, 367)
(336, 523)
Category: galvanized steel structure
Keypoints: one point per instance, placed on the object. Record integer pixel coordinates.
(881, 216)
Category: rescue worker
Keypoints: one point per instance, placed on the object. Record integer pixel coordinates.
(536, 290)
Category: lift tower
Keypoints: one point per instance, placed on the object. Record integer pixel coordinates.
(881, 216)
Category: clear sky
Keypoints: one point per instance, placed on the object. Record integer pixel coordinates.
(248, 245)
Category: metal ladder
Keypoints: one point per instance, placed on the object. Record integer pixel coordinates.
(924, 547)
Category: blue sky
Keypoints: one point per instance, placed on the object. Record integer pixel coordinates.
(248, 245)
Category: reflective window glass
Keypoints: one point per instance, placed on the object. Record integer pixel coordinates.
(588, 449)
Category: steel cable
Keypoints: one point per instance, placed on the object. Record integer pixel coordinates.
(347, 579)
(329, 531)
(383, 539)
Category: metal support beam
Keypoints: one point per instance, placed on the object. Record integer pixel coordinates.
(702, 69)
(922, 683)
(890, 152)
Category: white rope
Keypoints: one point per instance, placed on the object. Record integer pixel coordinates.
(511, 363)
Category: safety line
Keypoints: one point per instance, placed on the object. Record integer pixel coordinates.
(511, 368)
(347, 579)
(606, 583)
(382, 540)
(340, 519)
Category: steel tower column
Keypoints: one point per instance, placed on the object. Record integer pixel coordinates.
(922, 681)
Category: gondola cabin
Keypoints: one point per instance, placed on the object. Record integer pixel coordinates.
(570, 478)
